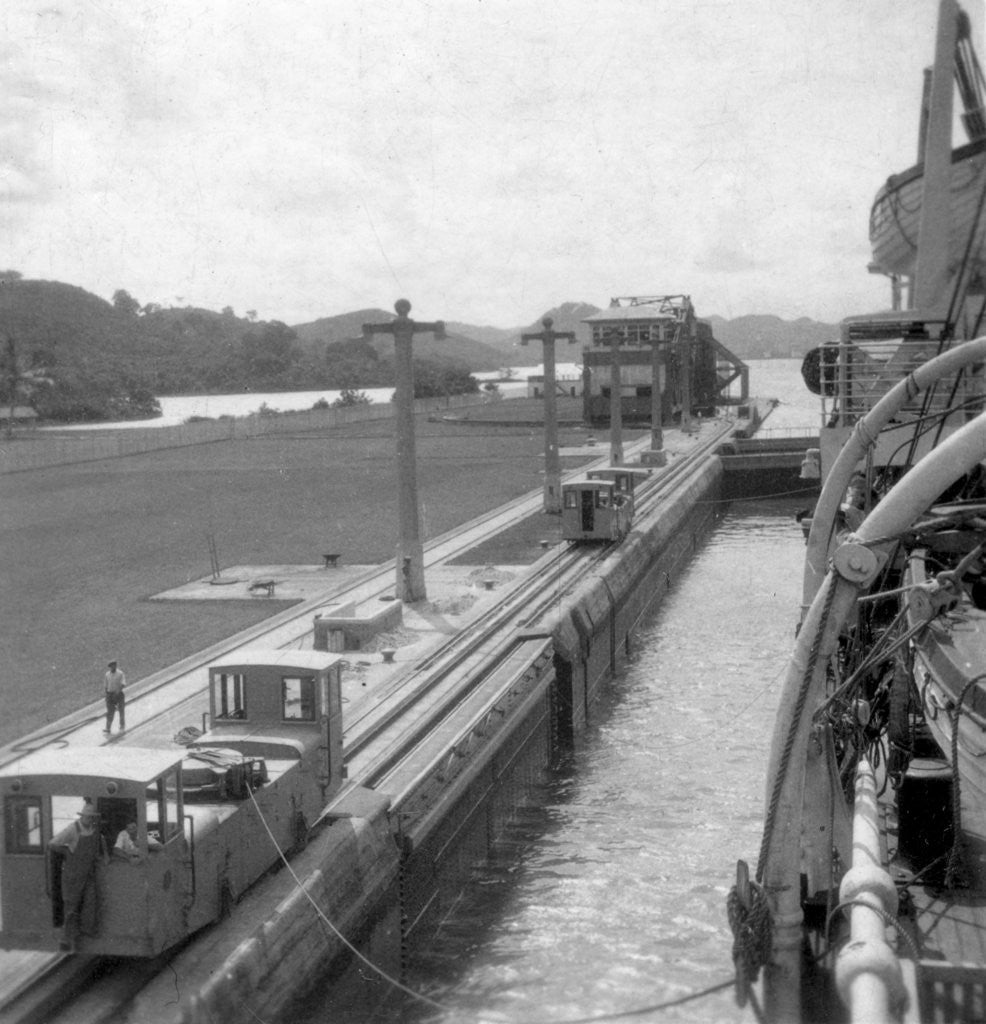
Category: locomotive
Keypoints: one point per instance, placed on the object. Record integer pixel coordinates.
(206, 820)
(600, 505)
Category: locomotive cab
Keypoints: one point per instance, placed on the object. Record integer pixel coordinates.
(105, 852)
(64, 888)
(593, 509)
(280, 705)
(626, 479)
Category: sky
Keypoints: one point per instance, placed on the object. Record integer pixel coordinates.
(486, 159)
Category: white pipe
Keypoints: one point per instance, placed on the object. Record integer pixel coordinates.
(863, 437)
(868, 975)
(782, 855)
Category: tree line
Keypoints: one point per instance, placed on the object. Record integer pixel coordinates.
(74, 357)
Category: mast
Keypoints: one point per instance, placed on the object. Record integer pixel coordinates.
(931, 273)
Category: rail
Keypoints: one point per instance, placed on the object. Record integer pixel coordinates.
(388, 739)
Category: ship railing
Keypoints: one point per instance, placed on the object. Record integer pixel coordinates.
(865, 371)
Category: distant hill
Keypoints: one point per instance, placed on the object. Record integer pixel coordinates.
(770, 337)
(507, 341)
(108, 359)
(756, 336)
(460, 345)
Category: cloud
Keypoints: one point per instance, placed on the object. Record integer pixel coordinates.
(723, 258)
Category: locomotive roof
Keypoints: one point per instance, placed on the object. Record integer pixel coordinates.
(313, 661)
(642, 311)
(636, 471)
(133, 764)
(594, 483)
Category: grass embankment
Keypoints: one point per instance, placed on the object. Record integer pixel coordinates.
(85, 546)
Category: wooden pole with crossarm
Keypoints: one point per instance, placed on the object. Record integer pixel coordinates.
(410, 551)
(614, 338)
(552, 461)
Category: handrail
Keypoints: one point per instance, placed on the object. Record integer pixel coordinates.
(868, 974)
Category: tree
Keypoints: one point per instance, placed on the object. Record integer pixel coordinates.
(349, 397)
(228, 311)
(433, 379)
(10, 275)
(125, 302)
(16, 382)
(268, 353)
(251, 315)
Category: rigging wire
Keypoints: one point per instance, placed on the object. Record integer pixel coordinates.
(421, 997)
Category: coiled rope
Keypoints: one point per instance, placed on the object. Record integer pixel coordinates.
(749, 918)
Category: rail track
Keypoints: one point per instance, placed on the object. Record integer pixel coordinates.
(442, 693)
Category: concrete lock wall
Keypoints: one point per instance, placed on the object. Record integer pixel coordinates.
(386, 892)
(592, 635)
(460, 836)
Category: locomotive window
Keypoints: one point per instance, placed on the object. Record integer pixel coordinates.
(298, 698)
(571, 498)
(22, 815)
(230, 695)
(164, 808)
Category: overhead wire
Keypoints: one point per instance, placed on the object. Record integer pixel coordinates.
(444, 1008)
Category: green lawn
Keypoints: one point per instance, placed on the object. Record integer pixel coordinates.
(85, 545)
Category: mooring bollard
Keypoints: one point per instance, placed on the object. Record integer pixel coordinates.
(388, 655)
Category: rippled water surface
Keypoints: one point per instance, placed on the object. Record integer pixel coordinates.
(608, 893)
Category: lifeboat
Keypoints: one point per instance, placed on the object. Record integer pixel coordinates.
(896, 214)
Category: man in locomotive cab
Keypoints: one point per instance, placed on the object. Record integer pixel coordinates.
(126, 843)
(79, 849)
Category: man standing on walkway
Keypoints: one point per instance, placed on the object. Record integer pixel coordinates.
(114, 681)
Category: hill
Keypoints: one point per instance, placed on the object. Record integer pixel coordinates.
(102, 360)
(69, 353)
(507, 341)
(459, 346)
(109, 359)
(770, 337)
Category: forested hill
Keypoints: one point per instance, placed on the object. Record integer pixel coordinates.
(74, 356)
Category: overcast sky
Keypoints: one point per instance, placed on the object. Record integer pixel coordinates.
(487, 159)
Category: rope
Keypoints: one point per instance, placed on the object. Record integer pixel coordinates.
(889, 919)
(616, 1015)
(752, 938)
(335, 931)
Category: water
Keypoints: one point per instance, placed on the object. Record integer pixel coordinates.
(176, 409)
(608, 894)
(769, 378)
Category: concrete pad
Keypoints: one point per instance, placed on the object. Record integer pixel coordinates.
(291, 583)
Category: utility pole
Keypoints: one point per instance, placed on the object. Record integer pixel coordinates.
(410, 552)
(552, 462)
(614, 336)
(657, 455)
(686, 329)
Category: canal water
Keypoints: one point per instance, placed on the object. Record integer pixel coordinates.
(606, 897)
